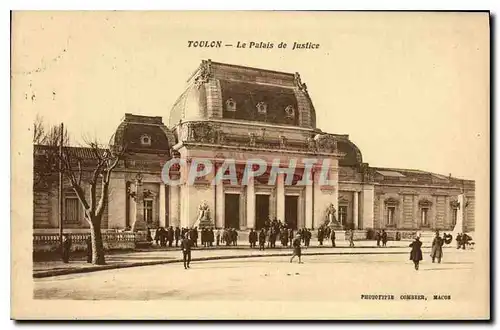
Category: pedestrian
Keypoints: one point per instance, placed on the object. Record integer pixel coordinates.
(307, 238)
(89, 249)
(252, 238)
(320, 235)
(351, 238)
(170, 236)
(149, 238)
(333, 237)
(377, 237)
(416, 251)
(384, 238)
(212, 237)
(296, 249)
(437, 248)
(186, 250)
(235, 237)
(66, 248)
(217, 237)
(262, 239)
(194, 236)
(177, 234)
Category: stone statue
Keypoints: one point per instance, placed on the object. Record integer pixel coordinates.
(330, 215)
(203, 212)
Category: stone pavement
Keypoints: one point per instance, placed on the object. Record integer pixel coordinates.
(156, 255)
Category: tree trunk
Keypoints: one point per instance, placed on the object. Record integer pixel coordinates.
(97, 244)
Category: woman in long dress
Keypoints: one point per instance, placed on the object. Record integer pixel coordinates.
(416, 251)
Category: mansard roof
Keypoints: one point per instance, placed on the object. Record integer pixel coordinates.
(233, 92)
(144, 134)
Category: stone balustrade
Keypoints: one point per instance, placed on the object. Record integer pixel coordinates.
(46, 242)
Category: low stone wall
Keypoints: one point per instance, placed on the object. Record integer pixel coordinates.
(49, 242)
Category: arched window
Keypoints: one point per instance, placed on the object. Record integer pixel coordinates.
(261, 108)
(230, 105)
(290, 111)
(145, 140)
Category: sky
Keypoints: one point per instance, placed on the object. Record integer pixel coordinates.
(410, 89)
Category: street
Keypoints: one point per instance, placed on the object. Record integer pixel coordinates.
(320, 278)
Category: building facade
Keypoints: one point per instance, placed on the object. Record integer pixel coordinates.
(230, 112)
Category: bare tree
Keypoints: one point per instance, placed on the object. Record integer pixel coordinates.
(94, 171)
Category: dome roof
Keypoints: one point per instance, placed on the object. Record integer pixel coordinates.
(230, 92)
(144, 134)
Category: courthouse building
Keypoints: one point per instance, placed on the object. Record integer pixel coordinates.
(236, 112)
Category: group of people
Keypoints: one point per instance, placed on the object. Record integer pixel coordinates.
(272, 234)
(462, 240)
(381, 236)
(436, 250)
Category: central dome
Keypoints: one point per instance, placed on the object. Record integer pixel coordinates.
(237, 93)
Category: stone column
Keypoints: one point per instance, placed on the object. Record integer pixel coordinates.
(309, 206)
(250, 205)
(367, 200)
(139, 223)
(219, 205)
(175, 216)
(163, 203)
(355, 210)
(117, 201)
(280, 197)
(416, 221)
(318, 206)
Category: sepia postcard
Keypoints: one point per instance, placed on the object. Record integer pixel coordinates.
(250, 165)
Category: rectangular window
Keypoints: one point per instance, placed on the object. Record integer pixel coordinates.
(424, 213)
(391, 211)
(148, 211)
(342, 214)
(71, 210)
(454, 216)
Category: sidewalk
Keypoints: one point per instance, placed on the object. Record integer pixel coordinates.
(156, 256)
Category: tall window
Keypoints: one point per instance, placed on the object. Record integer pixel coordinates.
(391, 211)
(148, 211)
(424, 216)
(342, 214)
(71, 210)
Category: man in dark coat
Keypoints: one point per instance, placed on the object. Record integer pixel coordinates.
(416, 251)
(377, 238)
(212, 237)
(186, 250)
(297, 251)
(459, 240)
(89, 249)
(170, 236)
(437, 248)
(307, 238)
(66, 248)
(177, 236)
(290, 235)
(384, 238)
(194, 236)
(332, 236)
(235, 237)
(262, 239)
(252, 238)
(320, 235)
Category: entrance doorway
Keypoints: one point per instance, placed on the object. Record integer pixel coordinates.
(261, 210)
(232, 211)
(291, 210)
